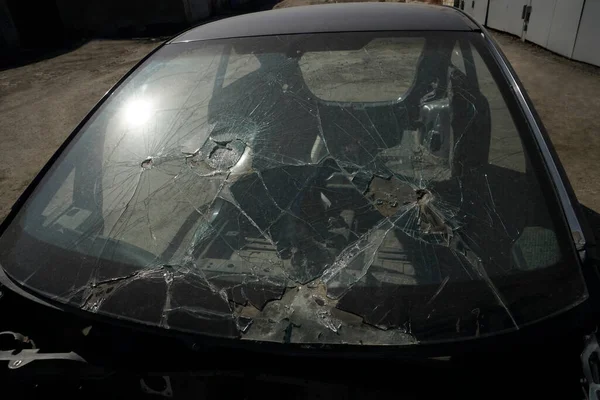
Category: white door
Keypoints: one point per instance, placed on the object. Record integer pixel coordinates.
(538, 29)
(477, 9)
(497, 14)
(480, 10)
(563, 30)
(506, 15)
(587, 45)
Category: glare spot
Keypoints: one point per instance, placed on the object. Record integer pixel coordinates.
(137, 112)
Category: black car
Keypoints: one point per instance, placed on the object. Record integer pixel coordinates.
(346, 201)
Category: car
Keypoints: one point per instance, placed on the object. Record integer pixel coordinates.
(350, 200)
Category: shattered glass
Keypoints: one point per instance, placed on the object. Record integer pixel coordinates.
(255, 188)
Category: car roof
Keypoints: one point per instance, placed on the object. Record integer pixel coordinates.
(340, 17)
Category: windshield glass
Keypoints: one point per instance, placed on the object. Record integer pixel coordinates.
(362, 188)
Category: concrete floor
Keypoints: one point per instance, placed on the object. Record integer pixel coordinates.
(566, 94)
(41, 103)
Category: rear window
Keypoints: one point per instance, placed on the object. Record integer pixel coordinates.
(349, 188)
(383, 70)
(238, 66)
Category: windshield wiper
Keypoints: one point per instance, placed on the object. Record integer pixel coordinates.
(18, 358)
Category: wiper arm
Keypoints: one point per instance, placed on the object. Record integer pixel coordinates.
(26, 356)
(19, 357)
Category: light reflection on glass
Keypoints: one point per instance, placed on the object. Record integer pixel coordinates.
(137, 112)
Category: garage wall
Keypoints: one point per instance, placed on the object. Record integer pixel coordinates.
(497, 14)
(477, 9)
(541, 17)
(480, 10)
(505, 15)
(568, 27)
(554, 23)
(563, 28)
(587, 44)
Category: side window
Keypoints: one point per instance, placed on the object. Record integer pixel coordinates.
(239, 65)
(506, 149)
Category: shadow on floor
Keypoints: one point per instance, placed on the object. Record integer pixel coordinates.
(20, 57)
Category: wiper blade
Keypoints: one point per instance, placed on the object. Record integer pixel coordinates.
(27, 356)
(17, 358)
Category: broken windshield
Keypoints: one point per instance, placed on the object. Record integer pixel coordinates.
(360, 188)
